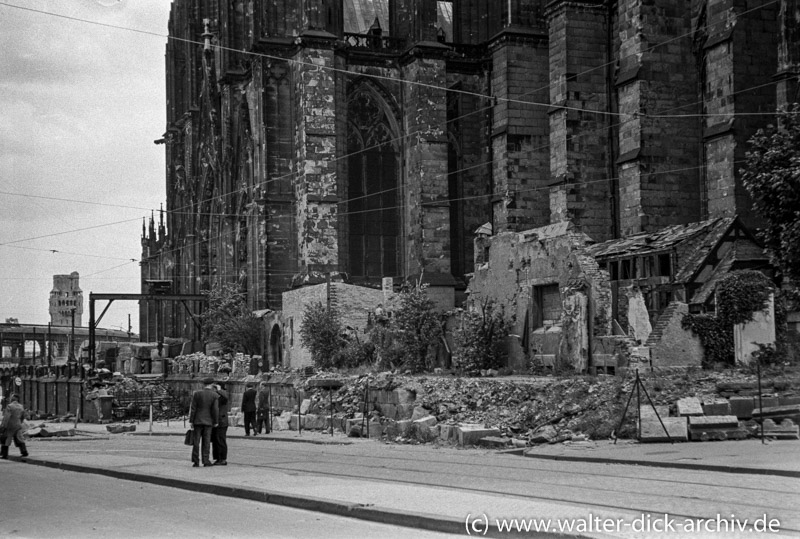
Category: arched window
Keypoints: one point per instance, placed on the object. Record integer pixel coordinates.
(373, 213)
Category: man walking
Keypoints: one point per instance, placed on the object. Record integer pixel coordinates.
(219, 434)
(249, 409)
(203, 416)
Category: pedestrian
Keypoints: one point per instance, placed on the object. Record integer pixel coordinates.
(219, 434)
(249, 408)
(263, 408)
(11, 428)
(203, 416)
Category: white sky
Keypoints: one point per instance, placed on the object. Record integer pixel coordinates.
(80, 107)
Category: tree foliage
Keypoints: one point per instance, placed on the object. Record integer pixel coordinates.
(230, 322)
(772, 177)
(480, 339)
(321, 333)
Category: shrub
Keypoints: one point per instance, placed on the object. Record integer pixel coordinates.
(481, 340)
(321, 333)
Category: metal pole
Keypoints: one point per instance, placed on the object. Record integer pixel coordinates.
(49, 347)
(638, 407)
(760, 405)
(330, 401)
(72, 337)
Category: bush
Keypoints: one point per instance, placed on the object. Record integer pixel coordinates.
(321, 333)
(481, 340)
(409, 337)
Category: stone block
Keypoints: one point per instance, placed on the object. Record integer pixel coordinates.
(314, 422)
(766, 402)
(419, 412)
(375, 430)
(404, 411)
(405, 396)
(742, 407)
(405, 428)
(646, 411)
(788, 401)
(722, 407)
(447, 433)
(428, 420)
(494, 442)
(778, 413)
(388, 410)
(689, 406)
(305, 405)
(280, 423)
(787, 430)
(422, 432)
(713, 421)
(716, 428)
(652, 431)
(470, 434)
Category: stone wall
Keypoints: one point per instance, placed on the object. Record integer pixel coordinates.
(670, 344)
(353, 303)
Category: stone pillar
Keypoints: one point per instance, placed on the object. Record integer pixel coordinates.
(658, 158)
(315, 144)
(520, 144)
(739, 54)
(579, 147)
(426, 209)
(788, 90)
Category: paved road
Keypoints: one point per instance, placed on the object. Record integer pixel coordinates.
(43, 502)
(451, 483)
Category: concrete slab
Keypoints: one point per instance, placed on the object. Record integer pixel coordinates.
(470, 434)
(495, 442)
(713, 421)
(689, 406)
(717, 408)
(677, 428)
(778, 413)
(742, 407)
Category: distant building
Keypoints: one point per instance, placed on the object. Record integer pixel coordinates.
(65, 297)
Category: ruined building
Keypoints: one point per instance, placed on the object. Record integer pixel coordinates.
(372, 138)
(66, 298)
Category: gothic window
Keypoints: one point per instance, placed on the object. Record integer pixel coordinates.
(373, 197)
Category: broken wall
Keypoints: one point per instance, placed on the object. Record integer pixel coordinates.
(353, 303)
(518, 263)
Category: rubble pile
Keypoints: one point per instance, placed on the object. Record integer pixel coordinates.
(527, 410)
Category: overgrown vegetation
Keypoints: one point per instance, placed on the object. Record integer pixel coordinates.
(409, 337)
(480, 339)
(230, 322)
(739, 295)
(772, 177)
(321, 333)
(405, 338)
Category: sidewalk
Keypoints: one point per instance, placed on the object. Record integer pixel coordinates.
(409, 504)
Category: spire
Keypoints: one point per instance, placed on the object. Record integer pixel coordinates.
(152, 228)
(162, 231)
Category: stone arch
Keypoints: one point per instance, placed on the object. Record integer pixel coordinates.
(373, 186)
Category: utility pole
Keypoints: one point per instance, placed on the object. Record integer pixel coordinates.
(72, 337)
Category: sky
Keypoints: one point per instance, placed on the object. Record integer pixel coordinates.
(80, 107)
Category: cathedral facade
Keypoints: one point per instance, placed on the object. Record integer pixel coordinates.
(372, 138)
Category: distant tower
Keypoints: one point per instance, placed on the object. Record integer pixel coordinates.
(66, 296)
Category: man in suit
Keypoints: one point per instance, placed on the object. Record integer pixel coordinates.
(249, 409)
(203, 416)
(219, 434)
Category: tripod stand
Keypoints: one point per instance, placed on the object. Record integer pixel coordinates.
(639, 385)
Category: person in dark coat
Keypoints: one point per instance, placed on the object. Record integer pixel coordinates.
(203, 416)
(263, 418)
(249, 409)
(11, 428)
(219, 434)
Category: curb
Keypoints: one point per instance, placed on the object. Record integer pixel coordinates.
(264, 438)
(678, 465)
(372, 513)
